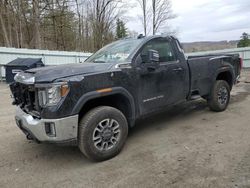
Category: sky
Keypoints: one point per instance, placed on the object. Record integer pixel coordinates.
(203, 20)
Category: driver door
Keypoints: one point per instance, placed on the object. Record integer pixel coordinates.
(159, 83)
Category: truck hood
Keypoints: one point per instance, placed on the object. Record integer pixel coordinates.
(50, 73)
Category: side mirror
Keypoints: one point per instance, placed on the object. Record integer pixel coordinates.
(149, 62)
(153, 56)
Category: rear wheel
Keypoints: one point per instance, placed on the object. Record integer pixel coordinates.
(220, 96)
(102, 133)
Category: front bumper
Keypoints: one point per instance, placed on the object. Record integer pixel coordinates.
(64, 129)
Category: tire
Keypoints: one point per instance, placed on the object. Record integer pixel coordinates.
(102, 133)
(220, 96)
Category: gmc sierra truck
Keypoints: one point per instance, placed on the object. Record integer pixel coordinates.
(93, 104)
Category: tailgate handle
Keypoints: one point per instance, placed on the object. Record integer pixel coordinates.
(178, 69)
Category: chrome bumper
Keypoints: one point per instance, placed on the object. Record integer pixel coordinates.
(64, 129)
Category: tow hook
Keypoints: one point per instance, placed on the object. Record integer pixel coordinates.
(29, 137)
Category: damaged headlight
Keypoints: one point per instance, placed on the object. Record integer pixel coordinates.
(52, 94)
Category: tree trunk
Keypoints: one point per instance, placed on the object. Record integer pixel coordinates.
(79, 38)
(9, 21)
(20, 36)
(36, 24)
(5, 34)
(154, 12)
(144, 6)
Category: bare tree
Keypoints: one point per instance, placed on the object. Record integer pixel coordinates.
(79, 37)
(9, 20)
(20, 33)
(161, 14)
(3, 15)
(36, 25)
(102, 18)
(6, 39)
(143, 5)
(58, 24)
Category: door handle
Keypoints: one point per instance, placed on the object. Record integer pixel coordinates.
(151, 68)
(178, 69)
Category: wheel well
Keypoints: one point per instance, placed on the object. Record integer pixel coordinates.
(226, 76)
(117, 101)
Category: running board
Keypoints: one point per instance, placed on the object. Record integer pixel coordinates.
(194, 97)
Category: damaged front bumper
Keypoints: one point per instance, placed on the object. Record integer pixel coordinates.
(61, 131)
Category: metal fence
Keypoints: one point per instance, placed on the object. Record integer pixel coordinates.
(64, 57)
(48, 57)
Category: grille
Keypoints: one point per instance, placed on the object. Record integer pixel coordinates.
(26, 97)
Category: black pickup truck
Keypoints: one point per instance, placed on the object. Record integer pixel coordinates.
(93, 104)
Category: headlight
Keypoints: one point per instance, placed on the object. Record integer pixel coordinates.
(52, 94)
(25, 78)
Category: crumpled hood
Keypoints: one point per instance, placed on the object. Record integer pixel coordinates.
(50, 73)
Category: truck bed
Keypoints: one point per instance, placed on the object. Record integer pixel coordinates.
(203, 67)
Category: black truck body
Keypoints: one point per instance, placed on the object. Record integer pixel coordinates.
(155, 74)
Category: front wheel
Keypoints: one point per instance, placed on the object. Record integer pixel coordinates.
(102, 133)
(220, 96)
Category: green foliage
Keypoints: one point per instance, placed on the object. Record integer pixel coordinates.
(121, 30)
(244, 41)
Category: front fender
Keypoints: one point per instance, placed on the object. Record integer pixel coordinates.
(95, 94)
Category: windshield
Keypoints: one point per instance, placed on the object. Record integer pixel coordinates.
(115, 52)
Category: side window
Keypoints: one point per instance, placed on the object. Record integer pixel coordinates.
(164, 49)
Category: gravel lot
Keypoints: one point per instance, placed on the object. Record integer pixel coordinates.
(187, 146)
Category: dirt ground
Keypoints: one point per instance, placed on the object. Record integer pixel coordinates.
(187, 146)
